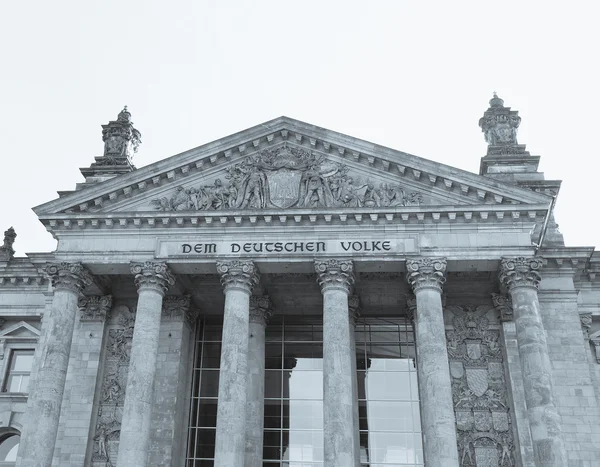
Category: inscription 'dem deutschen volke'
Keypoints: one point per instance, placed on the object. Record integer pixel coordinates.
(288, 247)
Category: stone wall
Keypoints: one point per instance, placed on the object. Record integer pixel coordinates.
(573, 381)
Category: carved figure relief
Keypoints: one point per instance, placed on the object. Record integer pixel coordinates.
(112, 393)
(479, 389)
(286, 177)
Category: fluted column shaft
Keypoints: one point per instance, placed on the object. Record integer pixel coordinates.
(152, 281)
(522, 278)
(260, 311)
(426, 276)
(336, 278)
(43, 410)
(238, 279)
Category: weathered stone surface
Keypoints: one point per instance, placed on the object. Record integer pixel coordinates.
(44, 405)
(336, 278)
(238, 279)
(426, 276)
(522, 277)
(260, 310)
(152, 280)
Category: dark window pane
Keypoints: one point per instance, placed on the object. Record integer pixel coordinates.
(205, 443)
(272, 413)
(273, 384)
(211, 355)
(209, 383)
(271, 445)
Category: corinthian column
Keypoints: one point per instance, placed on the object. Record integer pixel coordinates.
(45, 399)
(238, 279)
(260, 311)
(522, 278)
(336, 278)
(152, 281)
(426, 276)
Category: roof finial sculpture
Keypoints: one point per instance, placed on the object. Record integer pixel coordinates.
(6, 250)
(121, 140)
(500, 125)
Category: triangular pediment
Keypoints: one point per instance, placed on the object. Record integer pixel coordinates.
(284, 165)
(20, 330)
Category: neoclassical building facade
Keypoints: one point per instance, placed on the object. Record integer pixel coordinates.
(292, 296)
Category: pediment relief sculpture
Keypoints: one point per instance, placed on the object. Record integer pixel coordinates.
(286, 178)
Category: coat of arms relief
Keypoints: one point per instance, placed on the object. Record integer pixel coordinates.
(286, 177)
(483, 423)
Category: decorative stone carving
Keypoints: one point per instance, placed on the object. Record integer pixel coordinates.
(411, 306)
(6, 250)
(595, 340)
(521, 272)
(121, 141)
(112, 391)
(479, 389)
(238, 274)
(335, 273)
(500, 125)
(95, 308)
(586, 324)
(175, 307)
(286, 177)
(152, 275)
(260, 309)
(68, 276)
(354, 308)
(426, 273)
(503, 305)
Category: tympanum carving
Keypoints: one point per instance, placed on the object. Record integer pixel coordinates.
(479, 389)
(286, 177)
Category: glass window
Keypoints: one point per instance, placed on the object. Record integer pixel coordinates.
(9, 446)
(19, 370)
(388, 400)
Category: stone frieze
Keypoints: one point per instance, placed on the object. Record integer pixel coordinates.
(283, 178)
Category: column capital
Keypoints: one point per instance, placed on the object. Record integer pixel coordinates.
(354, 308)
(335, 274)
(261, 309)
(426, 273)
(236, 274)
(95, 308)
(152, 275)
(68, 276)
(178, 308)
(503, 305)
(520, 271)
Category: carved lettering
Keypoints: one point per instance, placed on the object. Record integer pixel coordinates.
(291, 247)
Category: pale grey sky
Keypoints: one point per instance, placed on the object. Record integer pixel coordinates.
(415, 76)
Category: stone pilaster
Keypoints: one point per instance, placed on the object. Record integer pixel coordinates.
(168, 434)
(521, 276)
(260, 311)
(238, 279)
(336, 278)
(426, 276)
(45, 400)
(78, 399)
(354, 314)
(152, 280)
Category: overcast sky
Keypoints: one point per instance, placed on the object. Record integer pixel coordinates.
(414, 76)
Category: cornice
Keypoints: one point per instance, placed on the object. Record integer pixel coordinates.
(452, 214)
(240, 145)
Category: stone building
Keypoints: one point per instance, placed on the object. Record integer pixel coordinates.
(291, 296)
